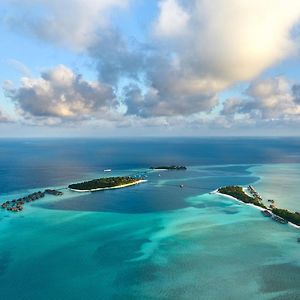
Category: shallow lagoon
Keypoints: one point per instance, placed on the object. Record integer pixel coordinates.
(280, 182)
(151, 241)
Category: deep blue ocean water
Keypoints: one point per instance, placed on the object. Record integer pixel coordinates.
(154, 240)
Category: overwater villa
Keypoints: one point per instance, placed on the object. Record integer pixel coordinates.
(16, 205)
(279, 219)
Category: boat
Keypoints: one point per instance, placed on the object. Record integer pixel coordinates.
(107, 170)
(181, 186)
(266, 213)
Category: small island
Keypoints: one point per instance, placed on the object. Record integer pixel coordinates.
(280, 215)
(170, 168)
(104, 184)
(238, 193)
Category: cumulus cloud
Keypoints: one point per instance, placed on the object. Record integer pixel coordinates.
(232, 39)
(205, 46)
(196, 49)
(60, 94)
(157, 84)
(268, 99)
(156, 103)
(71, 23)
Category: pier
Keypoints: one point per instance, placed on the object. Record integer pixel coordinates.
(254, 193)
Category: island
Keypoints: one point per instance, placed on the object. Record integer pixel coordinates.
(280, 215)
(105, 183)
(238, 193)
(169, 168)
(290, 216)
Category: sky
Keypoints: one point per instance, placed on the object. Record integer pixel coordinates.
(113, 68)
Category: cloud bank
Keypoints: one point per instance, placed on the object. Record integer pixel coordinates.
(191, 52)
(206, 46)
(269, 99)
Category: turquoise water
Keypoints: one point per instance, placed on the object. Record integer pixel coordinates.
(280, 182)
(154, 240)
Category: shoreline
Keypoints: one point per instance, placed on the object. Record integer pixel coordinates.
(236, 199)
(250, 204)
(109, 188)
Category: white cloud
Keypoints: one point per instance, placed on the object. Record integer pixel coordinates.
(172, 19)
(268, 99)
(199, 48)
(70, 23)
(273, 98)
(59, 95)
(205, 46)
(231, 40)
(158, 103)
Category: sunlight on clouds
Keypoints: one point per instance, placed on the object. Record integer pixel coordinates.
(59, 93)
(267, 99)
(233, 39)
(190, 53)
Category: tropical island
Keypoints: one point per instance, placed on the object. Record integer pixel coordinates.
(238, 193)
(277, 214)
(17, 205)
(105, 184)
(169, 168)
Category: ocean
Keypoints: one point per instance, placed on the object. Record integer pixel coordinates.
(154, 240)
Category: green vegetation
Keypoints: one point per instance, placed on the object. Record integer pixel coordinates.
(108, 182)
(287, 215)
(238, 193)
(169, 168)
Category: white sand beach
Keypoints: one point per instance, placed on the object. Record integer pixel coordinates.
(109, 188)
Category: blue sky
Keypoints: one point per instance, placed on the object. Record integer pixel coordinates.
(143, 68)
